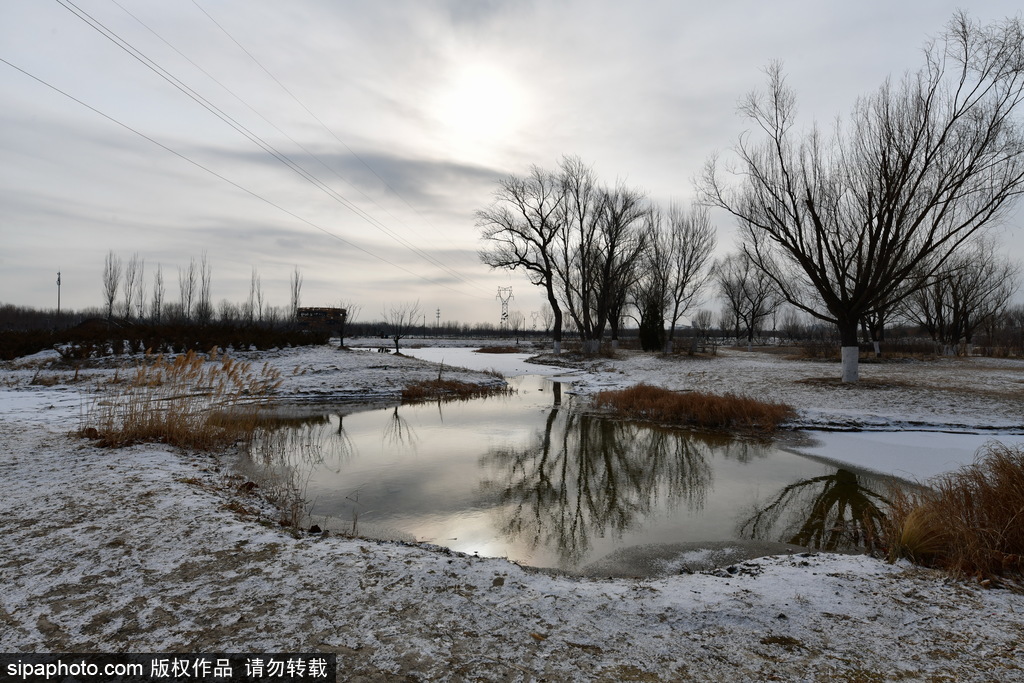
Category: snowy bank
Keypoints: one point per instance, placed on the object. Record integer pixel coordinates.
(146, 549)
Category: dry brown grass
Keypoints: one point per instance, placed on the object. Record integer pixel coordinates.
(447, 390)
(970, 522)
(193, 401)
(502, 349)
(694, 409)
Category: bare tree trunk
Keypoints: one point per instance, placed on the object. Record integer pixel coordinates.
(850, 349)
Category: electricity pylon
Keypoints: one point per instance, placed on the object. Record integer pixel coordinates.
(504, 295)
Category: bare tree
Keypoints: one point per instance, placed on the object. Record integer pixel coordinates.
(111, 281)
(204, 302)
(133, 272)
(157, 307)
(187, 289)
(401, 319)
(352, 310)
(516, 322)
(843, 224)
(261, 301)
(296, 291)
(600, 247)
(228, 311)
(249, 309)
(522, 226)
(677, 263)
(140, 307)
(973, 287)
(749, 294)
(547, 316)
(703, 320)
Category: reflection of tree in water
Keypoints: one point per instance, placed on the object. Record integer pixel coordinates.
(830, 512)
(307, 442)
(585, 476)
(398, 431)
(740, 450)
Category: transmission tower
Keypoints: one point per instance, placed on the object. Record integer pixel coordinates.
(504, 295)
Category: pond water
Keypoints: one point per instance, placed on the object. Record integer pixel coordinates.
(528, 477)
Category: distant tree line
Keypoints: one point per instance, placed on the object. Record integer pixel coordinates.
(125, 297)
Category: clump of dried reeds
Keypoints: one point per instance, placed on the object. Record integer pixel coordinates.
(970, 522)
(500, 349)
(693, 408)
(447, 390)
(194, 400)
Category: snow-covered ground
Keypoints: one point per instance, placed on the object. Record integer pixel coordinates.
(147, 549)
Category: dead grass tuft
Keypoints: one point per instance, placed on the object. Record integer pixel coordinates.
(500, 349)
(970, 522)
(447, 390)
(193, 401)
(694, 409)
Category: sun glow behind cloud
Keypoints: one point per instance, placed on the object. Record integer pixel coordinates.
(479, 108)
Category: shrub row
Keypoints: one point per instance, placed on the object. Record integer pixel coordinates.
(96, 339)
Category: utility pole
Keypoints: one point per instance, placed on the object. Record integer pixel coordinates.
(58, 295)
(504, 294)
(437, 325)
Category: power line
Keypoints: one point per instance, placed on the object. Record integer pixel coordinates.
(225, 179)
(314, 116)
(253, 137)
(311, 154)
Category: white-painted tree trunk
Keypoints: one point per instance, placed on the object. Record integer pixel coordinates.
(851, 359)
(878, 349)
(558, 348)
(591, 346)
(615, 344)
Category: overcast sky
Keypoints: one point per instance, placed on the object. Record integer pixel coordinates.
(400, 116)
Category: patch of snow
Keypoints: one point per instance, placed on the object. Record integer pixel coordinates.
(912, 455)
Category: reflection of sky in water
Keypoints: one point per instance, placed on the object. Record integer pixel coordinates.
(516, 477)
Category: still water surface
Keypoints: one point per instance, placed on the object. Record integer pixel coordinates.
(525, 476)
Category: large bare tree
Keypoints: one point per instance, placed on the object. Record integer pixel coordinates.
(676, 263)
(521, 228)
(598, 251)
(848, 223)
